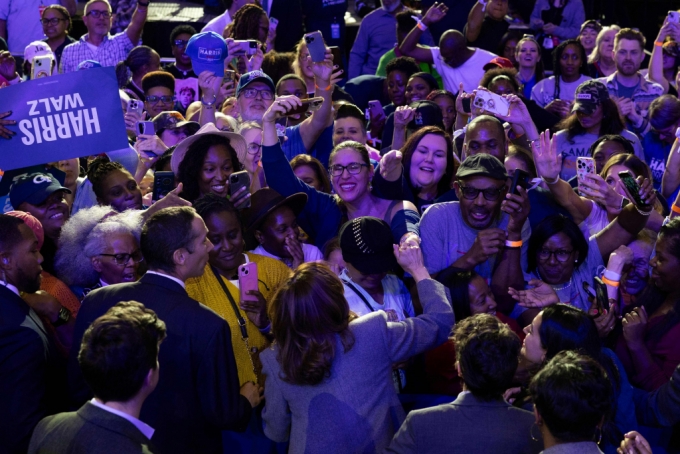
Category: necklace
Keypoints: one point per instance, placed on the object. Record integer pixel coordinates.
(557, 289)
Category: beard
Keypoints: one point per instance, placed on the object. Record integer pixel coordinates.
(27, 283)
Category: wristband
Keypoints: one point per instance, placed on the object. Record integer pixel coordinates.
(675, 208)
(420, 23)
(555, 181)
(611, 275)
(609, 282)
(513, 244)
(266, 329)
(209, 104)
(324, 89)
(658, 43)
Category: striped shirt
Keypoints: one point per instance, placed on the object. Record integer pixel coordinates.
(112, 50)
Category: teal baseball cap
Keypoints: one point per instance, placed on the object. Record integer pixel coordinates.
(207, 51)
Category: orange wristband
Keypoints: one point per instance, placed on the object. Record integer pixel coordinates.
(513, 244)
(324, 89)
(610, 282)
(675, 208)
(658, 43)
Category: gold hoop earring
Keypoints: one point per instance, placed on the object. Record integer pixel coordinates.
(531, 432)
(599, 435)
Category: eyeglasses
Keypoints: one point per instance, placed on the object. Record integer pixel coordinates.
(562, 255)
(490, 194)
(163, 99)
(181, 43)
(266, 94)
(253, 148)
(52, 21)
(354, 168)
(124, 259)
(97, 14)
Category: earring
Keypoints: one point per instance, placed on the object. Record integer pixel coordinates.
(531, 432)
(576, 261)
(599, 435)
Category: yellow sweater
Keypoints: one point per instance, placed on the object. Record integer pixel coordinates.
(208, 291)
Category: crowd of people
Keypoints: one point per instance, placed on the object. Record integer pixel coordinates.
(454, 240)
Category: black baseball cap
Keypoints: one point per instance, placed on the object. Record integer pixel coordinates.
(366, 243)
(482, 164)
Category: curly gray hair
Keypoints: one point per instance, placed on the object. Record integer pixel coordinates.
(85, 235)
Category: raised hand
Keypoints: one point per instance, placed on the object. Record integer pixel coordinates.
(548, 161)
(4, 132)
(391, 165)
(171, 199)
(436, 13)
(558, 107)
(403, 115)
(518, 207)
(256, 311)
(294, 248)
(634, 325)
(410, 257)
(279, 107)
(634, 443)
(541, 295)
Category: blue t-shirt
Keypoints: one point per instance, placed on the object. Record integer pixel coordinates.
(656, 155)
(293, 145)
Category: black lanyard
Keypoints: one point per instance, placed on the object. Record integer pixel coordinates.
(241, 321)
(363, 298)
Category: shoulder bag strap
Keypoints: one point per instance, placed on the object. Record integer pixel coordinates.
(363, 298)
(241, 321)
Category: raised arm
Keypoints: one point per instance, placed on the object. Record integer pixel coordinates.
(671, 176)
(134, 30)
(312, 127)
(655, 73)
(410, 46)
(474, 23)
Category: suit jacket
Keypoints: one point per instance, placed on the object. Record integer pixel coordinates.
(468, 425)
(90, 429)
(29, 373)
(198, 391)
(660, 407)
(357, 408)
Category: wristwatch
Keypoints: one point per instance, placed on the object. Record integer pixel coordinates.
(64, 317)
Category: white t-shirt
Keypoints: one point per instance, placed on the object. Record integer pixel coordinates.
(310, 252)
(544, 91)
(596, 221)
(397, 302)
(218, 24)
(469, 73)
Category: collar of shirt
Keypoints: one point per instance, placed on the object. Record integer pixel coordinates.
(86, 36)
(144, 428)
(11, 287)
(262, 251)
(169, 277)
(103, 284)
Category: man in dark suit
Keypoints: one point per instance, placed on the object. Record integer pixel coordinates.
(29, 368)
(119, 361)
(479, 420)
(198, 394)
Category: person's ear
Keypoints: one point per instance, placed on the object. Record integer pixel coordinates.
(96, 264)
(5, 261)
(456, 187)
(179, 256)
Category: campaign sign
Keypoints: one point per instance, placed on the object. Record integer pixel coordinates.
(61, 117)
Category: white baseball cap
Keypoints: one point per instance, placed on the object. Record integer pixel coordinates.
(37, 49)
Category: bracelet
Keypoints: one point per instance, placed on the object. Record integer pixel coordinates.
(139, 2)
(658, 43)
(209, 104)
(624, 202)
(643, 213)
(555, 181)
(611, 275)
(266, 329)
(675, 208)
(610, 282)
(513, 244)
(420, 23)
(324, 89)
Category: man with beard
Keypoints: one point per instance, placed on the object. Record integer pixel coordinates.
(486, 230)
(41, 195)
(27, 362)
(631, 91)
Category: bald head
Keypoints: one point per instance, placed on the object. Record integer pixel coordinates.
(453, 48)
(485, 134)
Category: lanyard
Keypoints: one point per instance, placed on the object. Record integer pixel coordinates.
(239, 318)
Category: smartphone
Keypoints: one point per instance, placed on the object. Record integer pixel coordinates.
(520, 178)
(229, 76)
(308, 105)
(491, 102)
(316, 46)
(163, 182)
(145, 127)
(337, 57)
(247, 280)
(633, 190)
(601, 294)
(589, 290)
(674, 16)
(238, 180)
(375, 111)
(246, 47)
(135, 106)
(41, 67)
(273, 23)
(584, 166)
(467, 108)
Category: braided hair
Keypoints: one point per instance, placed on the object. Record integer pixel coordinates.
(210, 204)
(246, 23)
(557, 56)
(99, 170)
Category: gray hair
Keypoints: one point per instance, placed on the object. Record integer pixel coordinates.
(84, 236)
(595, 56)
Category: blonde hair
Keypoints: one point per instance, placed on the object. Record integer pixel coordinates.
(596, 56)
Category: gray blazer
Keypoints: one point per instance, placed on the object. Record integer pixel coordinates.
(90, 429)
(468, 425)
(356, 409)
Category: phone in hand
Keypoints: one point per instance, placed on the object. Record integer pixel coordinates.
(337, 57)
(246, 47)
(307, 105)
(491, 102)
(467, 108)
(316, 46)
(238, 180)
(145, 127)
(584, 166)
(674, 16)
(229, 76)
(601, 295)
(41, 66)
(273, 23)
(520, 178)
(163, 182)
(135, 106)
(247, 280)
(633, 190)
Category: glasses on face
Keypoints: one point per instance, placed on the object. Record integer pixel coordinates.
(562, 255)
(354, 168)
(265, 93)
(124, 259)
(97, 14)
(490, 194)
(52, 21)
(253, 148)
(163, 99)
(182, 43)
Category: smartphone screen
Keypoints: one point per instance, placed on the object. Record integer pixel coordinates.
(520, 178)
(601, 293)
(466, 105)
(633, 189)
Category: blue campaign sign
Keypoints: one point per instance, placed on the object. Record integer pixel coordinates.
(61, 117)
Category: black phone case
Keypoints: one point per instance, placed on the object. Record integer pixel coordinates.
(163, 182)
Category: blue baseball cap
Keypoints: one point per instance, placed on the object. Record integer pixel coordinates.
(89, 64)
(207, 51)
(254, 76)
(34, 188)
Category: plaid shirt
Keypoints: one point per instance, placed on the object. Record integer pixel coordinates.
(112, 50)
(646, 92)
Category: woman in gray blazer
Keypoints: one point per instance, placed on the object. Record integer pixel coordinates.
(329, 377)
